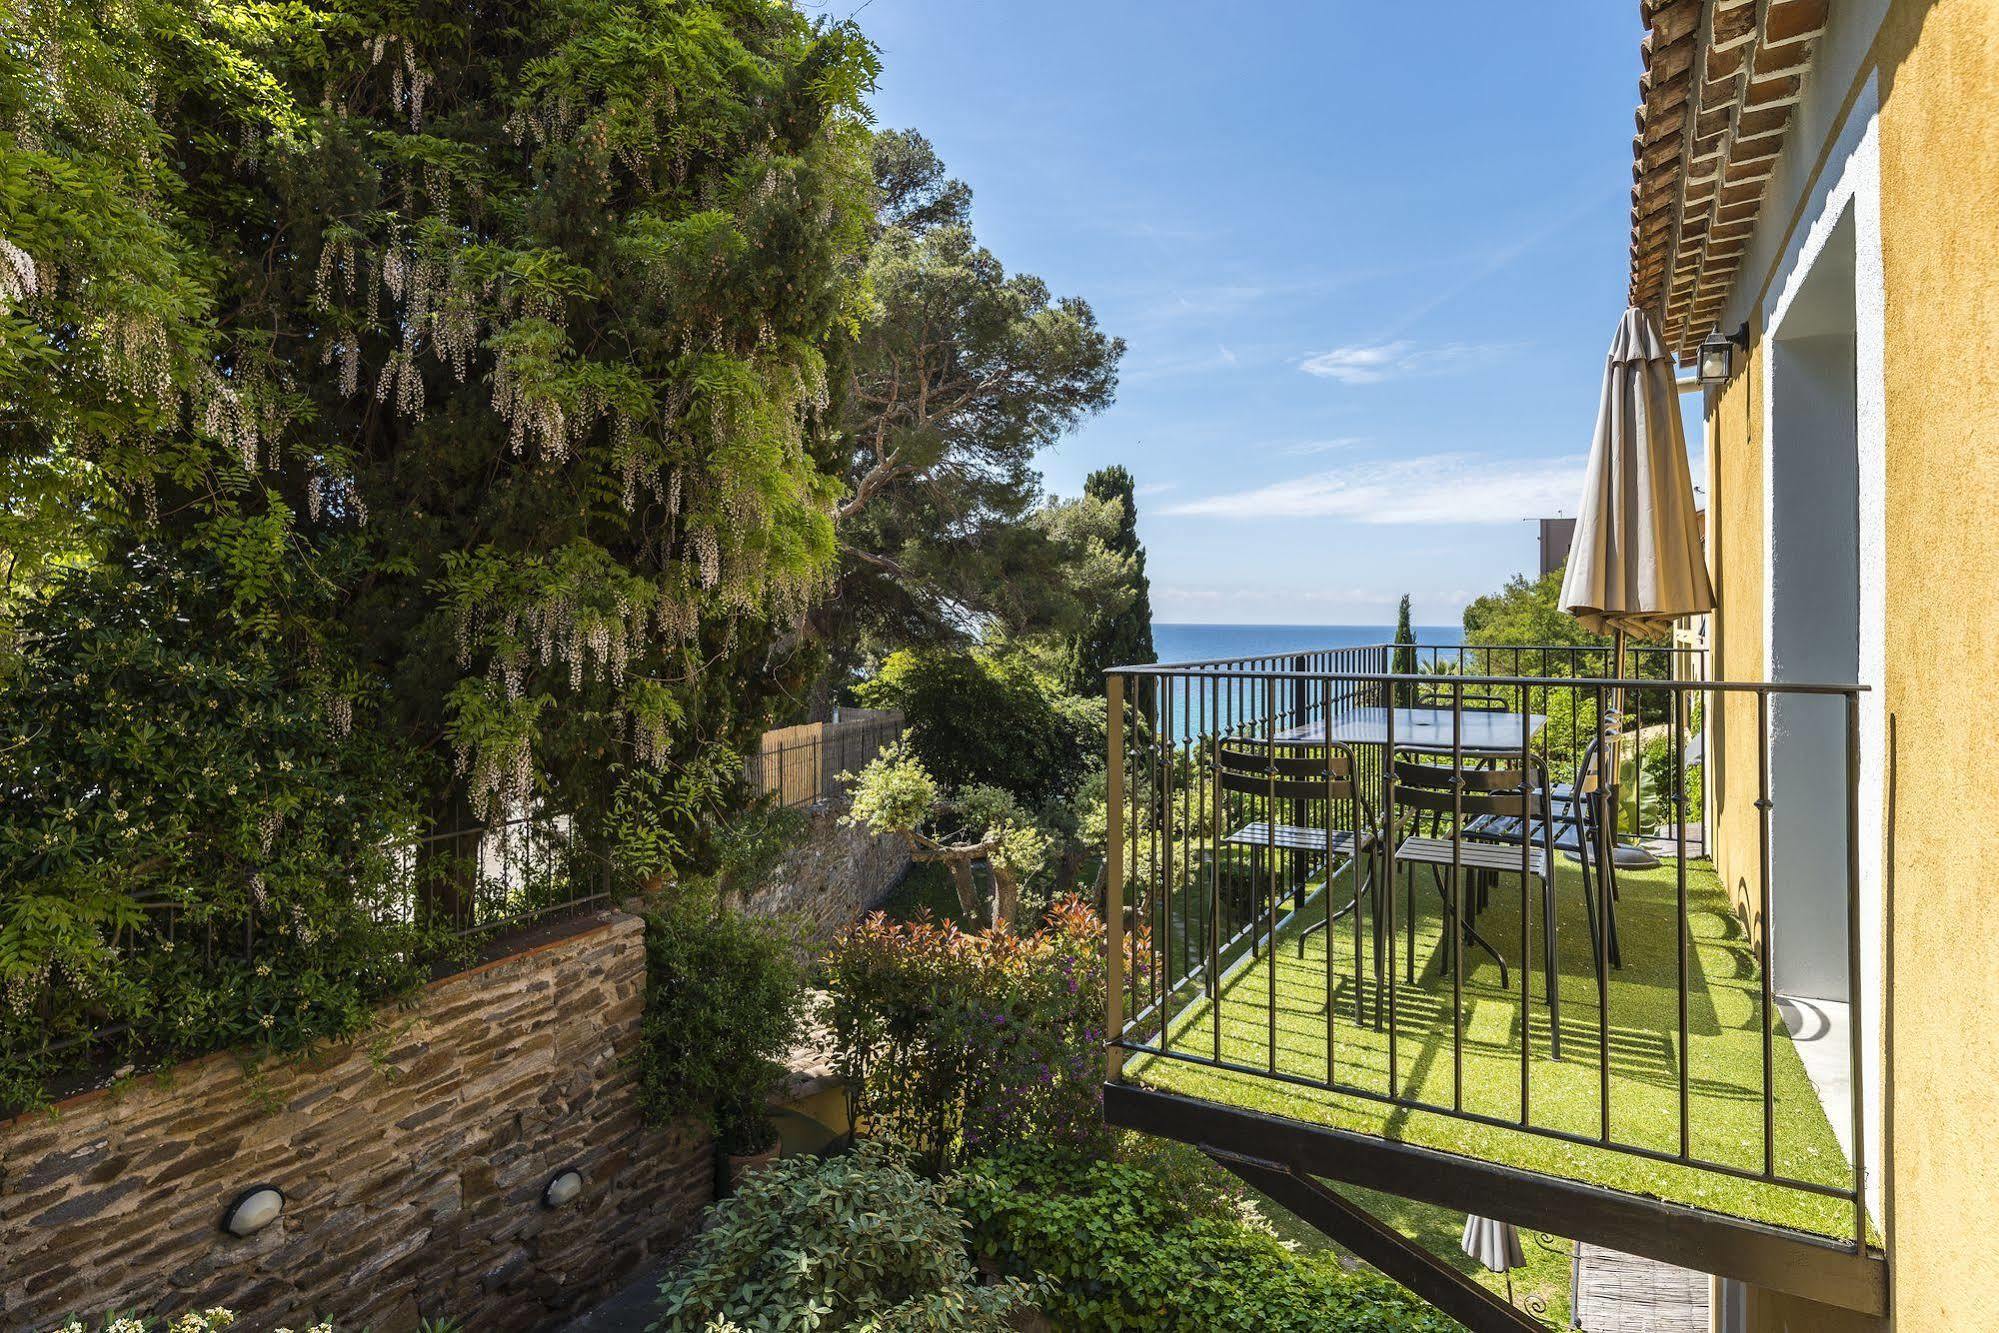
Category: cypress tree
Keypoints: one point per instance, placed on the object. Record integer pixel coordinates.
(1122, 633)
(1405, 653)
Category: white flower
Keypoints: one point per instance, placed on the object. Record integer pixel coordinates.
(18, 278)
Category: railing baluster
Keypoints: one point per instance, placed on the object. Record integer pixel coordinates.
(1114, 980)
(1609, 836)
(1682, 939)
(1270, 949)
(1388, 884)
(1163, 747)
(1326, 893)
(1765, 1008)
(1855, 990)
(1455, 929)
(1528, 775)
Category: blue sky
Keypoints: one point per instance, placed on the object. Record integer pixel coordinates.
(1367, 259)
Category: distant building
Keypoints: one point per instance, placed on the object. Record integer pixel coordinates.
(1556, 534)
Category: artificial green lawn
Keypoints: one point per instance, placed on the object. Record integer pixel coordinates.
(1724, 1054)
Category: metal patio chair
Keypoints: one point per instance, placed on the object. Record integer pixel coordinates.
(1443, 790)
(1579, 829)
(1302, 802)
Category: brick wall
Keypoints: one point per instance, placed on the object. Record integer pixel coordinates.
(831, 876)
(413, 1166)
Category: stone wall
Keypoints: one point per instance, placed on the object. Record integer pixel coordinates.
(413, 1166)
(831, 876)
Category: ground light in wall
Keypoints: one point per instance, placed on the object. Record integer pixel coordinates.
(253, 1210)
(562, 1188)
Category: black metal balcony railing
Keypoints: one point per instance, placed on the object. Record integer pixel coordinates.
(1275, 953)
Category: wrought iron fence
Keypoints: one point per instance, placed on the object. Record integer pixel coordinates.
(1216, 880)
(489, 878)
(455, 890)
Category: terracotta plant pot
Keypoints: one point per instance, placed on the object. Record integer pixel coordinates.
(744, 1165)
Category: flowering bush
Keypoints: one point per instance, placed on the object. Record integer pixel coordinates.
(957, 1042)
(197, 824)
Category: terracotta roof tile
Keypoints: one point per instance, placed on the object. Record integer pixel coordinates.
(1715, 97)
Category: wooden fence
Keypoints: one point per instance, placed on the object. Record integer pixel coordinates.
(802, 764)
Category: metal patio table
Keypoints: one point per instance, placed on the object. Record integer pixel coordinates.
(1429, 730)
(1471, 734)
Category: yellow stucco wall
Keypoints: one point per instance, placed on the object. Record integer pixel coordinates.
(1735, 558)
(1937, 62)
(1939, 68)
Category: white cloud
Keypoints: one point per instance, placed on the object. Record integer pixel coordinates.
(1371, 363)
(1182, 366)
(1156, 488)
(1325, 446)
(1358, 363)
(1435, 488)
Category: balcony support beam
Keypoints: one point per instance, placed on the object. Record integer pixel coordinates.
(1751, 1252)
(1372, 1240)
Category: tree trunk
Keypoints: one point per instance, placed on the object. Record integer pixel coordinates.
(968, 892)
(1072, 866)
(1006, 896)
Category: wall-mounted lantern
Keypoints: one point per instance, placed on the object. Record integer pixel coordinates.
(1717, 355)
(253, 1210)
(562, 1188)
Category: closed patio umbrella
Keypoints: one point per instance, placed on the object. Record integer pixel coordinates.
(1635, 563)
(1496, 1245)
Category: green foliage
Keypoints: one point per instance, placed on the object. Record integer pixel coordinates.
(722, 1003)
(660, 816)
(212, 1320)
(216, 1319)
(1526, 612)
(751, 845)
(989, 718)
(1404, 663)
(857, 1243)
(956, 1042)
(1663, 772)
(513, 327)
(962, 374)
(174, 792)
(893, 793)
(1125, 1247)
(994, 815)
(1119, 631)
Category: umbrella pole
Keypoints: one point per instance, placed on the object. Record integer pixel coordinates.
(1617, 768)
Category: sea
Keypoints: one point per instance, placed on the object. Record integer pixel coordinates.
(1203, 643)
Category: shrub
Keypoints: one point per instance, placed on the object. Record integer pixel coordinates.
(856, 1242)
(198, 824)
(979, 718)
(722, 1003)
(894, 795)
(1123, 1247)
(952, 1040)
(1661, 764)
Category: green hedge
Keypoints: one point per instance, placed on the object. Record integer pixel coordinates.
(1129, 1247)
